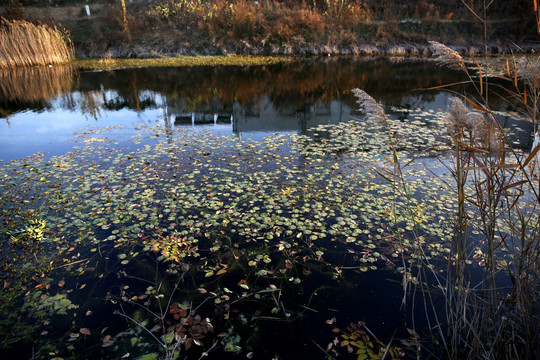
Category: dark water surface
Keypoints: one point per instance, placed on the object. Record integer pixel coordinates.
(253, 198)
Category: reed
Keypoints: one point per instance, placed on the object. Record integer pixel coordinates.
(492, 287)
(26, 44)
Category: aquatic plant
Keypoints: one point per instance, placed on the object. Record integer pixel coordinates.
(358, 339)
(177, 61)
(261, 217)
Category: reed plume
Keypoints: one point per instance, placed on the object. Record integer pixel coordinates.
(447, 57)
(369, 106)
(460, 117)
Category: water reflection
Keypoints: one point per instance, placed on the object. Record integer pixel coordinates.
(32, 88)
(291, 97)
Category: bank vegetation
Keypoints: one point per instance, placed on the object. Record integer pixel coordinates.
(268, 27)
(23, 43)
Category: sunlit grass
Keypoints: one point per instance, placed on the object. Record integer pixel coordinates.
(25, 44)
(177, 61)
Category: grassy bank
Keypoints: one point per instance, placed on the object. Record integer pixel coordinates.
(168, 61)
(26, 44)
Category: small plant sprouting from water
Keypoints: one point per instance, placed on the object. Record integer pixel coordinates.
(174, 326)
(357, 339)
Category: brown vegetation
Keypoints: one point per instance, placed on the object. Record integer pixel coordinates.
(25, 44)
(128, 29)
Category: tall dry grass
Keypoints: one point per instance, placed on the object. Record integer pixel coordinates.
(486, 305)
(492, 286)
(25, 44)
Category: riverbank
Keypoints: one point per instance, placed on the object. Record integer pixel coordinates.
(362, 49)
(152, 29)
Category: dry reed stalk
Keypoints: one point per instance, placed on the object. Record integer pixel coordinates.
(498, 198)
(537, 13)
(396, 177)
(26, 44)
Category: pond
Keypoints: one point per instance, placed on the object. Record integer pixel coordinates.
(224, 212)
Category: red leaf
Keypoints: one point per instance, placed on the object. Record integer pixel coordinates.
(174, 308)
(189, 341)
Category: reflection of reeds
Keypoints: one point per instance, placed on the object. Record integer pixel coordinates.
(34, 84)
(25, 44)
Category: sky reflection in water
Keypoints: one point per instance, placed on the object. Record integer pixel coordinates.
(248, 101)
